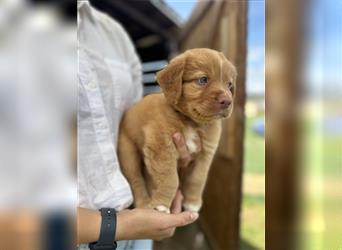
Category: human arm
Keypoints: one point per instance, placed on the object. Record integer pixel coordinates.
(137, 223)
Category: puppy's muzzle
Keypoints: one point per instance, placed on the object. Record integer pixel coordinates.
(223, 102)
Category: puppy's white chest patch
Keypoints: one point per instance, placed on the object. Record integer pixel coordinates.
(191, 137)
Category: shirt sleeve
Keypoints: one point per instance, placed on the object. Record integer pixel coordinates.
(137, 77)
(135, 64)
(129, 54)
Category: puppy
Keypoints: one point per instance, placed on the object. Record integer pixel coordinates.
(198, 90)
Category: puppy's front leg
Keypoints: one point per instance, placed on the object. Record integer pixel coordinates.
(131, 165)
(194, 179)
(162, 178)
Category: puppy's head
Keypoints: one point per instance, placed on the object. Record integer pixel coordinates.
(200, 83)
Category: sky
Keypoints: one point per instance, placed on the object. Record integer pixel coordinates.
(324, 48)
(182, 7)
(256, 49)
(256, 40)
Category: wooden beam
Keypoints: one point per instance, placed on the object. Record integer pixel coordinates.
(200, 11)
(140, 18)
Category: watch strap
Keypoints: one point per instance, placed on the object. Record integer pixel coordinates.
(107, 232)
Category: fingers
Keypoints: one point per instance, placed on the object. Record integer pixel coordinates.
(179, 220)
(176, 206)
(178, 140)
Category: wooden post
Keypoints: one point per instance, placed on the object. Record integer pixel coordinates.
(283, 53)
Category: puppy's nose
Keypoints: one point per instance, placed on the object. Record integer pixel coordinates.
(223, 101)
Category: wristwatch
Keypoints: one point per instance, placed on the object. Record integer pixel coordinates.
(107, 233)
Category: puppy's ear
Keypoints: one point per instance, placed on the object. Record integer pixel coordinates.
(170, 79)
(233, 68)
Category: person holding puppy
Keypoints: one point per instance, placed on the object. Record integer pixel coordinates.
(109, 83)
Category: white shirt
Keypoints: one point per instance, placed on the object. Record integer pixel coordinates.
(110, 81)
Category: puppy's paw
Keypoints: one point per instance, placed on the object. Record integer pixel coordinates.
(162, 209)
(191, 207)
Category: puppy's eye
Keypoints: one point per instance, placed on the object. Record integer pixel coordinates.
(231, 87)
(203, 80)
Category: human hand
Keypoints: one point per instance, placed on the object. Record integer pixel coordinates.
(184, 155)
(142, 223)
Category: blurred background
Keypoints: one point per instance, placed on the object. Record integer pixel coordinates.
(303, 114)
(294, 48)
(38, 96)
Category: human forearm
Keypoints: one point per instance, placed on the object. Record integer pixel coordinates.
(88, 225)
(133, 224)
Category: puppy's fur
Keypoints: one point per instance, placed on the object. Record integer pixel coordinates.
(147, 154)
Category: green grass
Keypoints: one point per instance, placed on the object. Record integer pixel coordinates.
(253, 205)
(321, 155)
(253, 221)
(322, 162)
(254, 159)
